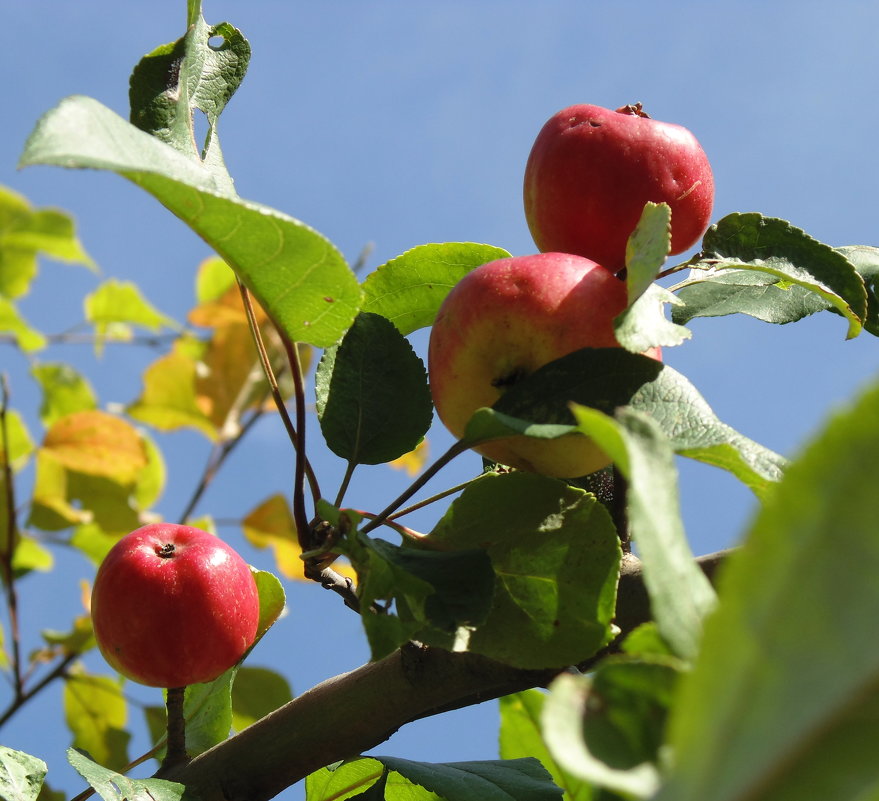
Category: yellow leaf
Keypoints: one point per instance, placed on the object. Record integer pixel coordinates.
(98, 444)
(414, 461)
(270, 525)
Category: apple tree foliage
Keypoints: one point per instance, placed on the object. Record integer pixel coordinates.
(763, 684)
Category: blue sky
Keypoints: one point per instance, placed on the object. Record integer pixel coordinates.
(403, 123)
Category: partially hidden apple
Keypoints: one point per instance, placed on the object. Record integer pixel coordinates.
(591, 170)
(504, 320)
(173, 605)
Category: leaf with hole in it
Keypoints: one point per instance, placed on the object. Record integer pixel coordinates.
(64, 391)
(409, 289)
(608, 378)
(298, 276)
(783, 700)
(555, 554)
(520, 736)
(371, 371)
(25, 233)
(96, 713)
(21, 775)
(772, 246)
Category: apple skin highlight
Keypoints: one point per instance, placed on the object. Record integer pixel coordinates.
(173, 605)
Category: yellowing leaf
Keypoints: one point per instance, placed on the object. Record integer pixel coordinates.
(270, 525)
(168, 400)
(414, 461)
(98, 444)
(121, 302)
(28, 339)
(19, 445)
(96, 713)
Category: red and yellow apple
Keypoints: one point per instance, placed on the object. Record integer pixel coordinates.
(173, 605)
(591, 171)
(503, 321)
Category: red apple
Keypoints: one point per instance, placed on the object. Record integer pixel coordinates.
(591, 170)
(173, 605)
(503, 321)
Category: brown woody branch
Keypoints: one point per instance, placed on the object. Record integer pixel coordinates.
(352, 713)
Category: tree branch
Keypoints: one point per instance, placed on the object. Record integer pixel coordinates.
(352, 713)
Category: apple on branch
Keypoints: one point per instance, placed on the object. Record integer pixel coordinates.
(503, 321)
(173, 605)
(591, 171)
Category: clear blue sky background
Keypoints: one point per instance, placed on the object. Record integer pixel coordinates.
(404, 123)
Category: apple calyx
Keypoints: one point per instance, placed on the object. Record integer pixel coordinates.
(634, 110)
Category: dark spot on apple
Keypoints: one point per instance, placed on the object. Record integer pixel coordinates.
(574, 122)
(508, 379)
(166, 551)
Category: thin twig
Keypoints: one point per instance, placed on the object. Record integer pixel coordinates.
(11, 524)
(456, 449)
(300, 517)
(434, 498)
(57, 672)
(346, 480)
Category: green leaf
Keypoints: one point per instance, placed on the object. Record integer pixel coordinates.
(255, 693)
(372, 370)
(770, 245)
(344, 780)
(64, 391)
(439, 595)
(783, 702)
(520, 736)
(207, 709)
(27, 338)
(297, 275)
(866, 261)
(568, 741)
(116, 303)
(409, 289)
(30, 555)
(760, 295)
(271, 600)
(213, 279)
(170, 83)
(17, 446)
(26, 232)
(96, 713)
(555, 554)
(680, 594)
(21, 775)
(647, 248)
(113, 786)
(608, 378)
(496, 780)
(644, 325)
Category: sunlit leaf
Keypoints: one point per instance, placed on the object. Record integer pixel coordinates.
(168, 400)
(25, 233)
(297, 275)
(413, 462)
(113, 786)
(18, 446)
(97, 443)
(255, 693)
(30, 555)
(96, 714)
(64, 391)
(409, 289)
(213, 279)
(520, 736)
(120, 303)
(271, 525)
(555, 553)
(782, 703)
(21, 775)
(27, 338)
(647, 248)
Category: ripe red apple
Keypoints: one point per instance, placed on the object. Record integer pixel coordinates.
(173, 605)
(503, 321)
(591, 170)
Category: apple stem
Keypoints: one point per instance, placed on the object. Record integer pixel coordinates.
(619, 502)
(176, 752)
